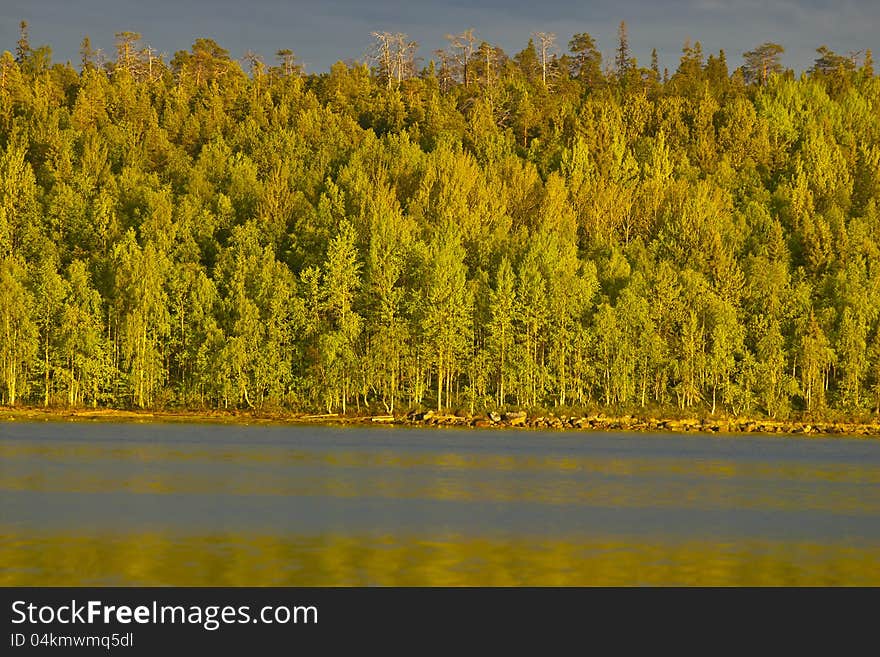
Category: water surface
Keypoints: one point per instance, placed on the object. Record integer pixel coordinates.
(202, 504)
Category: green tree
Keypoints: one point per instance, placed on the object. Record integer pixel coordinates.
(874, 370)
(638, 351)
(341, 282)
(142, 317)
(18, 199)
(852, 354)
(48, 290)
(446, 313)
(19, 339)
(815, 358)
(726, 345)
(586, 60)
(774, 384)
(611, 358)
(386, 259)
(81, 338)
(501, 329)
(205, 62)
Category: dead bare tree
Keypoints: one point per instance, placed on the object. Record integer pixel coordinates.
(546, 50)
(128, 50)
(405, 57)
(141, 61)
(444, 72)
(462, 50)
(382, 54)
(152, 60)
(287, 62)
(490, 58)
(255, 64)
(394, 55)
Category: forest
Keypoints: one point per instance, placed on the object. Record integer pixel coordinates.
(464, 230)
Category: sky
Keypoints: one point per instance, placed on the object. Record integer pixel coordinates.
(321, 33)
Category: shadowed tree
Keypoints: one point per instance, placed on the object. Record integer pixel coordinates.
(23, 45)
(623, 61)
(762, 62)
(586, 59)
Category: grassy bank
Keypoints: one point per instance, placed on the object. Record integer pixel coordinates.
(511, 420)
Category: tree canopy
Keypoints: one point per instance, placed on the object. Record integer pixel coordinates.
(477, 231)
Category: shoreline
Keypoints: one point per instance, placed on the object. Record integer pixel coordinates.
(511, 420)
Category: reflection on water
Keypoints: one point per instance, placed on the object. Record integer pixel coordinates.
(128, 504)
(333, 559)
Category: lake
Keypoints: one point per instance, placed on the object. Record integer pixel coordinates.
(203, 504)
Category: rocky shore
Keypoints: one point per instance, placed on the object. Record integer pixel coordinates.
(601, 422)
(497, 420)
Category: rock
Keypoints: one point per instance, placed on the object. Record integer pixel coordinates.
(494, 417)
(514, 415)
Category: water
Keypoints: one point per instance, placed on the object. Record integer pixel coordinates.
(202, 504)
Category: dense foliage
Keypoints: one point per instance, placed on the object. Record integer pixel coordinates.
(488, 231)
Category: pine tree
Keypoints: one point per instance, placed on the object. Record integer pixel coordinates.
(622, 59)
(23, 45)
(586, 60)
(762, 62)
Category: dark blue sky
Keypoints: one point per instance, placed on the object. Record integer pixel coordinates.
(321, 33)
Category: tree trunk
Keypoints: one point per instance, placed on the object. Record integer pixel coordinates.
(46, 365)
(440, 382)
